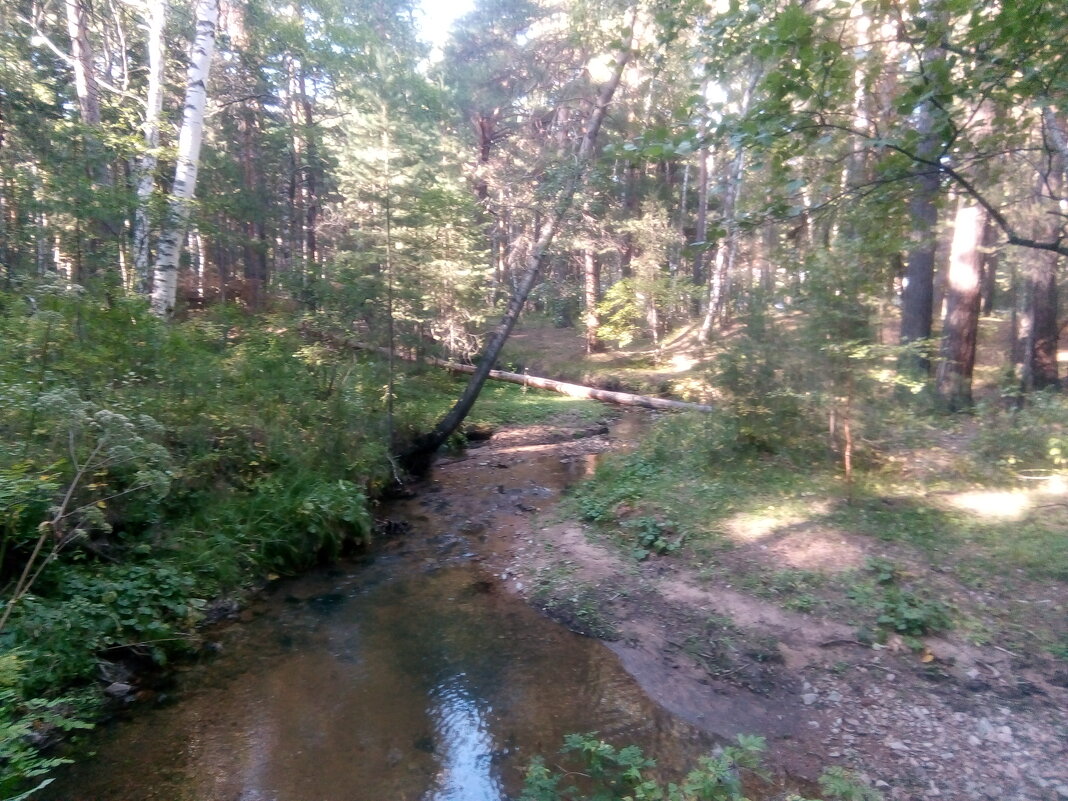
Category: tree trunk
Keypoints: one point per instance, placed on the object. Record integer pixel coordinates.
(85, 83)
(719, 279)
(701, 232)
(990, 259)
(165, 283)
(630, 208)
(917, 296)
(961, 325)
(1040, 366)
(552, 385)
(146, 164)
(420, 453)
(592, 290)
(1040, 354)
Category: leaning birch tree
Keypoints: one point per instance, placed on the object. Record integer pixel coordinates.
(179, 204)
(419, 454)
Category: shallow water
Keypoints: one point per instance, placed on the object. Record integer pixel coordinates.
(412, 675)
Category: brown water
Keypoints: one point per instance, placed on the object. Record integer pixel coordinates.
(412, 675)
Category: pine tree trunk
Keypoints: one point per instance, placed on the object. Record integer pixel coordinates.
(165, 279)
(1040, 350)
(719, 279)
(917, 297)
(1041, 367)
(961, 325)
(85, 83)
(990, 260)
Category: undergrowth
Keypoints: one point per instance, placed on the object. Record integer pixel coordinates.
(147, 468)
(595, 770)
(765, 463)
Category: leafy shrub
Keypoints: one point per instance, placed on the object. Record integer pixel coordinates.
(900, 609)
(615, 774)
(22, 722)
(1033, 436)
(650, 536)
(910, 613)
(622, 774)
(82, 613)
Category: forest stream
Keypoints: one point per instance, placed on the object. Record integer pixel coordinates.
(410, 674)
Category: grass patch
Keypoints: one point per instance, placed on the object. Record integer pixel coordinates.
(502, 404)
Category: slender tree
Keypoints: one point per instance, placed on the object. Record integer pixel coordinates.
(165, 280)
(418, 455)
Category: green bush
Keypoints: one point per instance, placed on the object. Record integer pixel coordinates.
(607, 773)
(23, 722)
(1033, 436)
(157, 465)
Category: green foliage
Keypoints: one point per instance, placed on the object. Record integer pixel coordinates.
(650, 536)
(838, 783)
(910, 613)
(616, 774)
(766, 410)
(83, 613)
(607, 773)
(1031, 437)
(159, 466)
(901, 609)
(23, 722)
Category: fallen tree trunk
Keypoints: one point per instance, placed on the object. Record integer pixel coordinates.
(578, 390)
(564, 388)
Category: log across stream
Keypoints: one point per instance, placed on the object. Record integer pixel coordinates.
(562, 387)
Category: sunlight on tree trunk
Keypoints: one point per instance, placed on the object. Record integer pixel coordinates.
(961, 326)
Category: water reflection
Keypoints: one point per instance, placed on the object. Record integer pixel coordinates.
(460, 726)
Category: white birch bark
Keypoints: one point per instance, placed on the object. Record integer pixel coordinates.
(146, 164)
(165, 275)
(81, 59)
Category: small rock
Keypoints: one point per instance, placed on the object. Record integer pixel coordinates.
(897, 745)
(1062, 790)
(974, 741)
(809, 699)
(834, 697)
(118, 689)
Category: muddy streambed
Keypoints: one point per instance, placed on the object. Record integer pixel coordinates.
(413, 674)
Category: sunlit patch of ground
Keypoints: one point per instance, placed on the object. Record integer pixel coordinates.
(748, 527)
(818, 550)
(1012, 504)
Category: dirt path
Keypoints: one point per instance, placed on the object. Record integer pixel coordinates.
(953, 722)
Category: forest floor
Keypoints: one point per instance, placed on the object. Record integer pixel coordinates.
(771, 628)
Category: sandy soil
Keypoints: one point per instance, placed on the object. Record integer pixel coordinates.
(951, 721)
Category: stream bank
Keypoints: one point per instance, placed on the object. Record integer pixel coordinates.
(953, 720)
(971, 723)
(414, 673)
